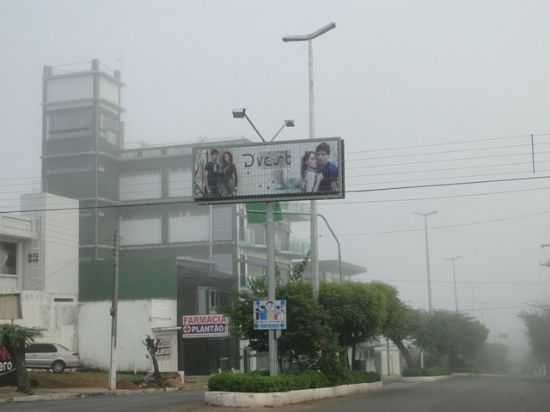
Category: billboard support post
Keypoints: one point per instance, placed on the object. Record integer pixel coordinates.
(270, 243)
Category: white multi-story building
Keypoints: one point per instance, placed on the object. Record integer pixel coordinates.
(39, 260)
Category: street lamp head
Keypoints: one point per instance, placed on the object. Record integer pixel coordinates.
(239, 113)
(289, 123)
(311, 36)
(433, 212)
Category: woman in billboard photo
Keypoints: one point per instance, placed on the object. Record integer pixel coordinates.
(311, 177)
(229, 178)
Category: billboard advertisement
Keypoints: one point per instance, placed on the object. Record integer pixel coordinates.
(289, 170)
(7, 368)
(205, 326)
(269, 314)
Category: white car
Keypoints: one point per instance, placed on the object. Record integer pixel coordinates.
(50, 356)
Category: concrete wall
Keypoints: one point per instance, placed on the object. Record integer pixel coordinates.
(136, 320)
(56, 319)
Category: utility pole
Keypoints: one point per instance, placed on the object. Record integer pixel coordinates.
(270, 241)
(428, 274)
(114, 313)
(453, 260)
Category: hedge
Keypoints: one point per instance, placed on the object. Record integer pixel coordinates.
(436, 371)
(259, 382)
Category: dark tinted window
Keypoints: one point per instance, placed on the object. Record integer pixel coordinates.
(41, 348)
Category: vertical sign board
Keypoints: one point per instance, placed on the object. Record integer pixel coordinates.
(269, 314)
(288, 170)
(205, 326)
(7, 368)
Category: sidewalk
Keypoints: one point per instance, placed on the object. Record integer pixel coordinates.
(9, 394)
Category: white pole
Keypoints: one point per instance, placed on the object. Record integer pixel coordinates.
(428, 274)
(454, 282)
(314, 230)
(270, 242)
(114, 315)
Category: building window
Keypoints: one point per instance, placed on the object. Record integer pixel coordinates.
(32, 257)
(209, 300)
(8, 258)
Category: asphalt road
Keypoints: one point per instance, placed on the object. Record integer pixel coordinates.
(458, 394)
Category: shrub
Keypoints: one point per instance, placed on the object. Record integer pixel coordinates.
(435, 371)
(257, 382)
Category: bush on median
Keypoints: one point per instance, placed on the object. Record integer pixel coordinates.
(257, 382)
(435, 371)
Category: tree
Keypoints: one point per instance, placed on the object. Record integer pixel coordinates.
(356, 312)
(400, 321)
(308, 335)
(452, 336)
(538, 331)
(15, 339)
(152, 346)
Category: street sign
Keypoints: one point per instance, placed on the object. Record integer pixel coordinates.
(269, 314)
(288, 170)
(205, 326)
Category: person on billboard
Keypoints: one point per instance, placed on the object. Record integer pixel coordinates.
(229, 179)
(328, 170)
(213, 174)
(311, 177)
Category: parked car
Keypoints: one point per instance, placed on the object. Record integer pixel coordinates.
(50, 356)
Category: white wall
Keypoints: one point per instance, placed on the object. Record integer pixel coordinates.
(136, 320)
(58, 244)
(140, 231)
(108, 90)
(56, 319)
(180, 183)
(70, 88)
(189, 228)
(141, 186)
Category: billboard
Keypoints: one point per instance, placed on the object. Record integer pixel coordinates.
(205, 326)
(7, 368)
(269, 314)
(289, 170)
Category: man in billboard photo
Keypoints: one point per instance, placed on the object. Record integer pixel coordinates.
(229, 179)
(213, 175)
(311, 176)
(328, 170)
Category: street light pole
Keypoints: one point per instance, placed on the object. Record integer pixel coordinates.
(314, 230)
(453, 260)
(428, 274)
(270, 245)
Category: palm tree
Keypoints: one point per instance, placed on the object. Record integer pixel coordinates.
(15, 339)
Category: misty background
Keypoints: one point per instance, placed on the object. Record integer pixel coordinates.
(423, 92)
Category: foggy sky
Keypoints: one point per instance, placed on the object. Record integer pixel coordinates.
(392, 74)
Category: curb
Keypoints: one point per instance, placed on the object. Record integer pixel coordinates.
(276, 399)
(425, 379)
(80, 395)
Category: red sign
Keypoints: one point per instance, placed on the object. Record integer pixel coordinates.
(205, 326)
(6, 362)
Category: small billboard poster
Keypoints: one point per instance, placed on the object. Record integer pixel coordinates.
(7, 367)
(205, 326)
(289, 170)
(269, 314)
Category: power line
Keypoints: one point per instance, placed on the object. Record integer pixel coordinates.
(425, 186)
(520, 136)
